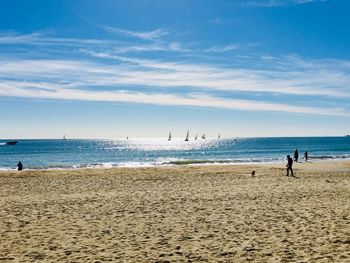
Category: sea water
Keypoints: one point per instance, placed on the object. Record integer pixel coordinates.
(66, 154)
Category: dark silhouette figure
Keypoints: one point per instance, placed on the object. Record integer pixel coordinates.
(253, 173)
(306, 156)
(289, 166)
(20, 166)
(296, 155)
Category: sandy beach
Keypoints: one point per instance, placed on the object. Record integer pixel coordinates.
(177, 214)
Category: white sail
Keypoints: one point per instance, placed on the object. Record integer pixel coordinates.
(187, 136)
(169, 139)
(64, 137)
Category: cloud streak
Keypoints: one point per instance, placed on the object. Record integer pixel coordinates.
(223, 48)
(41, 39)
(283, 84)
(119, 46)
(146, 35)
(47, 91)
(276, 3)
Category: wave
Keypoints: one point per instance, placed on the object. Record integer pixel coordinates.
(329, 157)
(225, 161)
(168, 162)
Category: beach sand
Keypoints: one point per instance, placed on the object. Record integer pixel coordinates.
(177, 214)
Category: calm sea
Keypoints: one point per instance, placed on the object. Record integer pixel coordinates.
(56, 154)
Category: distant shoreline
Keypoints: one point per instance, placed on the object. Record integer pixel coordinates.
(174, 138)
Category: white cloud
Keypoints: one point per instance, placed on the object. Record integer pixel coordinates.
(13, 38)
(147, 35)
(38, 39)
(46, 91)
(315, 81)
(223, 48)
(159, 81)
(152, 73)
(41, 40)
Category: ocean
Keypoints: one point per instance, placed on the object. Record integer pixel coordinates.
(73, 154)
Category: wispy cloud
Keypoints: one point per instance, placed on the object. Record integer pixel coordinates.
(275, 3)
(223, 48)
(43, 79)
(171, 46)
(147, 35)
(47, 91)
(216, 21)
(313, 81)
(42, 39)
(108, 73)
(38, 39)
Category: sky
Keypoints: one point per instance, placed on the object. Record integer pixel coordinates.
(111, 69)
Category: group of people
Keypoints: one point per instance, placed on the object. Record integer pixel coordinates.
(290, 161)
(296, 156)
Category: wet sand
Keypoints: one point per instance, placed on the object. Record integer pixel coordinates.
(177, 214)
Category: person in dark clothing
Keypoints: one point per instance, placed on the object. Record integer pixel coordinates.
(289, 166)
(296, 155)
(20, 166)
(306, 156)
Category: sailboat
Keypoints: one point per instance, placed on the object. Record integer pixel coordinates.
(187, 136)
(219, 136)
(64, 137)
(196, 137)
(169, 138)
(203, 136)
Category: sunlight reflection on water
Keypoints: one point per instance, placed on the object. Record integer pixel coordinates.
(165, 145)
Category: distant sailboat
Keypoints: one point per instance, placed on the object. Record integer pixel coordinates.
(187, 136)
(127, 137)
(203, 136)
(169, 138)
(64, 137)
(219, 136)
(196, 137)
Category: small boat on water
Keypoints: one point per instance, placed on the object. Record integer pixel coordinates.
(64, 137)
(203, 136)
(169, 138)
(196, 137)
(187, 136)
(11, 142)
(219, 136)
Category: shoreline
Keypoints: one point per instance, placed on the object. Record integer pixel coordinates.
(184, 163)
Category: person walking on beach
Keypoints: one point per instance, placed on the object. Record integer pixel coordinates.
(296, 155)
(289, 166)
(306, 156)
(20, 166)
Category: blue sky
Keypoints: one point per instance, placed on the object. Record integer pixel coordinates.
(111, 69)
